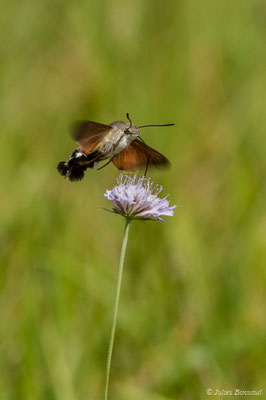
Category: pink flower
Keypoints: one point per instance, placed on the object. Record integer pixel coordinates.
(138, 199)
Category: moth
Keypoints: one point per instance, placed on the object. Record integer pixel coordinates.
(119, 142)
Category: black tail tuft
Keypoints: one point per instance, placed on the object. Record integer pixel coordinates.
(62, 168)
(74, 172)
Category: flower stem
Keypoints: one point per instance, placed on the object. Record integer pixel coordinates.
(117, 295)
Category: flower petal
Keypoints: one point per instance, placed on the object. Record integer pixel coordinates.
(139, 198)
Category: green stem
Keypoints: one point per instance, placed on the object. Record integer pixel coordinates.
(117, 295)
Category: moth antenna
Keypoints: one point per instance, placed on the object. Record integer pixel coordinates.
(147, 126)
(128, 117)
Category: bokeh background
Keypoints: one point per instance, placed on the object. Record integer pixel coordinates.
(192, 311)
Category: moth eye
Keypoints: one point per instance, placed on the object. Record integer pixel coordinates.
(127, 132)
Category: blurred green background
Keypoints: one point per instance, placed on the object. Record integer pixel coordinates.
(192, 311)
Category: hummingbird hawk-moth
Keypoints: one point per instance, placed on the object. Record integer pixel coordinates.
(120, 142)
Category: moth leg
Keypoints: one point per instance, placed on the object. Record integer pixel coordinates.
(147, 165)
(108, 162)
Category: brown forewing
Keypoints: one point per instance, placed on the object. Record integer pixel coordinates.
(89, 135)
(138, 155)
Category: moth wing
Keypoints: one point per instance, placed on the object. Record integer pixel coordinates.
(126, 160)
(89, 135)
(138, 155)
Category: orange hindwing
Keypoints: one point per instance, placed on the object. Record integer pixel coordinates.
(138, 155)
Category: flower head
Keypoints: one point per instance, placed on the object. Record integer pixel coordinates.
(138, 199)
